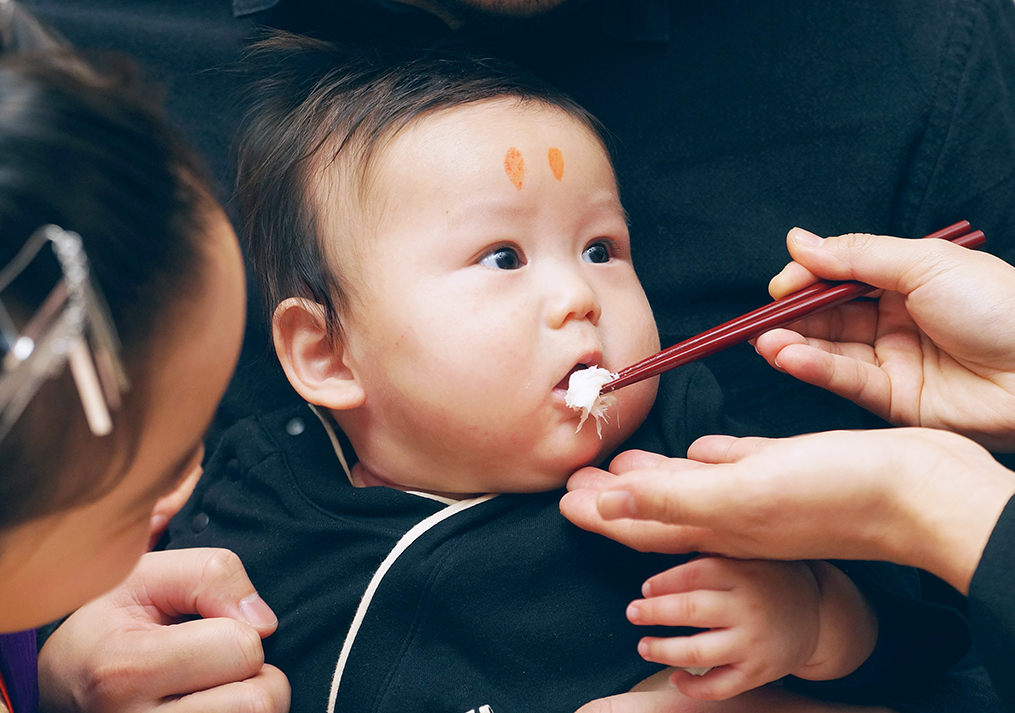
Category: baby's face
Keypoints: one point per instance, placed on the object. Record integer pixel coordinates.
(498, 262)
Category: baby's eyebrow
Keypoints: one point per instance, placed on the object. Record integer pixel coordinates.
(484, 208)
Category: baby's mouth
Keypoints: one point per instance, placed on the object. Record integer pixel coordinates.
(563, 383)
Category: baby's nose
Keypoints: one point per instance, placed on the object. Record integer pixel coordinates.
(572, 298)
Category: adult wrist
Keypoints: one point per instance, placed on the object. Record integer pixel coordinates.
(954, 522)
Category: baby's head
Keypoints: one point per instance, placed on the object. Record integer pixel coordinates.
(441, 243)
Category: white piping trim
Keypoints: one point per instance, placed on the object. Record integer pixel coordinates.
(431, 496)
(401, 546)
(337, 446)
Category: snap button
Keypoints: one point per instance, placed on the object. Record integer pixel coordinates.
(295, 427)
(200, 522)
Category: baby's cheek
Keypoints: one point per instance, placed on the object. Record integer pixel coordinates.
(635, 403)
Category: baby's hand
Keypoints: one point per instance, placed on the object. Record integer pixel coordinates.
(765, 620)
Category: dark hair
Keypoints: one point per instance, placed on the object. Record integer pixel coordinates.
(312, 102)
(88, 150)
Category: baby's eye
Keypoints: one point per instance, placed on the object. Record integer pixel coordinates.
(503, 258)
(597, 252)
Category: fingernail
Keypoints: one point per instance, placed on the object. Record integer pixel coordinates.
(616, 503)
(633, 614)
(805, 238)
(257, 613)
(643, 650)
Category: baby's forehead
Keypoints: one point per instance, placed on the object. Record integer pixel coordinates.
(498, 139)
(486, 138)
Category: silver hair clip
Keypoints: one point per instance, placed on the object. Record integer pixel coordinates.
(72, 326)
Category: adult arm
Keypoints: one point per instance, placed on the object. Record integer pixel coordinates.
(141, 647)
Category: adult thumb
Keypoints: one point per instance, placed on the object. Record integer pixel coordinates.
(897, 264)
(206, 582)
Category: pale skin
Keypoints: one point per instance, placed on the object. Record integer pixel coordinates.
(765, 620)
(475, 291)
(449, 373)
(935, 353)
(188, 626)
(935, 350)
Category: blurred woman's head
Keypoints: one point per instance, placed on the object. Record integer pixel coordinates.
(84, 149)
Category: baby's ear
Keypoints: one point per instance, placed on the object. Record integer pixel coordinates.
(313, 361)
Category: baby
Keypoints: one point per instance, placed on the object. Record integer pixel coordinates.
(441, 244)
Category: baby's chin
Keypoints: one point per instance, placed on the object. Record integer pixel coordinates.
(535, 475)
(543, 479)
(522, 482)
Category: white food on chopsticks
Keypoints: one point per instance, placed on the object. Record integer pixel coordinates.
(583, 394)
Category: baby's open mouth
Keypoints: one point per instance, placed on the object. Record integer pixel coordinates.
(563, 383)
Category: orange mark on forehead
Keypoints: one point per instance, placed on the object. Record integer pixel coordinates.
(514, 166)
(556, 159)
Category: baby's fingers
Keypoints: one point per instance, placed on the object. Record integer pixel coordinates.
(705, 650)
(701, 573)
(701, 609)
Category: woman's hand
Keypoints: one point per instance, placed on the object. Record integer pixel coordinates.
(936, 349)
(916, 497)
(140, 647)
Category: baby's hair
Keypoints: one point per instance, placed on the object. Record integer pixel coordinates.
(89, 150)
(313, 103)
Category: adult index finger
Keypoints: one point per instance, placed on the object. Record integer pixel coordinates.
(206, 582)
(580, 507)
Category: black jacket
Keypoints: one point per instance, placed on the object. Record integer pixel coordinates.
(392, 601)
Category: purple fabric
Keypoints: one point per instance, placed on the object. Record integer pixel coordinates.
(19, 667)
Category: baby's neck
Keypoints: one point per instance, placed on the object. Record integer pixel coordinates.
(363, 477)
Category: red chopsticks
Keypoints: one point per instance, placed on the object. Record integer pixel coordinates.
(810, 300)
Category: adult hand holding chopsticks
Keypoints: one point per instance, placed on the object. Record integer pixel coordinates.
(939, 350)
(935, 348)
